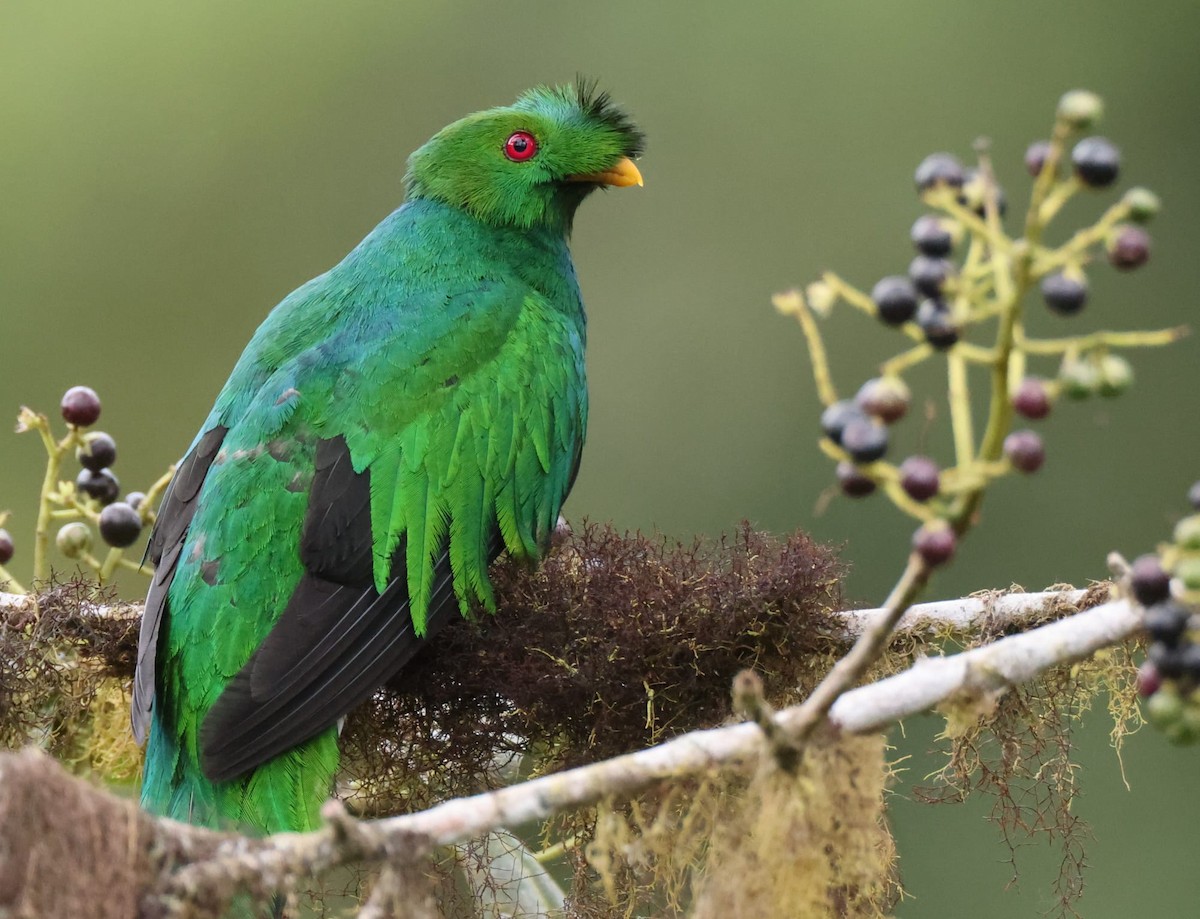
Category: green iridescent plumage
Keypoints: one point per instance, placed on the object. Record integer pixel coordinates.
(392, 426)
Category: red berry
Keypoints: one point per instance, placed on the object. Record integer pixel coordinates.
(1025, 451)
(1129, 248)
(854, 483)
(920, 477)
(1148, 679)
(80, 406)
(1035, 156)
(6, 547)
(935, 542)
(1032, 398)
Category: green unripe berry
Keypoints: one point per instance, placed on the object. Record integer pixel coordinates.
(1181, 733)
(1188, 571)
(1080, 109)
(1164, 708)
(1116, 375)
(1143, 204)
(1187, 532)
(1079, 379)
(74, 540)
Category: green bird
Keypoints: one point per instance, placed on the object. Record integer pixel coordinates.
(392, 427)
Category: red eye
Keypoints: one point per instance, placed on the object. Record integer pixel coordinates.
(521, 146)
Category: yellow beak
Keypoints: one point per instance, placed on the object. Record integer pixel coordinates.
(622, 175)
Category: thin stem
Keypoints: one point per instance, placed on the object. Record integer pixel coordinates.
(41, 536)
(792, 302)
(945, 199)
(11, 584)
(861, 301)
(854, 665)
(1104, 339)
(109, 565)
(1078, 244)
(975, 354)
(897, 365)
(960, 408)
(1054, 202)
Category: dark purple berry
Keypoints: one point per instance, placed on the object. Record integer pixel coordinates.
(80, 406)
(1166, 622)
(1035, 156)
(865, 439)
(935, 543)
(134, 499)
(1096, 162)
(939, 169)
(887, 398)
(931, 237)
(1032, 398)
(1150, 582)
(99, 451)
(936, 321)
(896, 299)
(1025, 451)
(1190, 661)
(1129, 248)
(1167, 660)
(1064, 295)
(120, 525)
(920, 478)
(854, 482)
(1194, 496)
(1148, 679)
(6, 547)
(929, 274)
(835, 418)
(101, 485)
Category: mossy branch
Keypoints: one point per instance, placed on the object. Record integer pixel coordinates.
(206, 870)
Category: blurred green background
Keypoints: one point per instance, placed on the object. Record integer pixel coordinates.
(169, 171)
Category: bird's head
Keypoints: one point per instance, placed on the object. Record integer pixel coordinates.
(529, 164)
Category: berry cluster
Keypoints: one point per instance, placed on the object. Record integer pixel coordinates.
(1167, 584)
(968, 273)
(92, 498)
